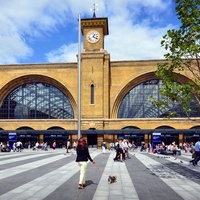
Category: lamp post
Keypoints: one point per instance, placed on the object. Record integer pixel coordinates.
(79, 75)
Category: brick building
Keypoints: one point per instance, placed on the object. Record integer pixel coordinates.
(40, 101)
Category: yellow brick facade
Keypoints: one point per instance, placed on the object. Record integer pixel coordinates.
(112, 80)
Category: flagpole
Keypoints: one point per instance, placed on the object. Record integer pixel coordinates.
(79, 75)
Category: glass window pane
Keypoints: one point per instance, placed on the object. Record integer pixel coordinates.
(36, 101)
(136, 103)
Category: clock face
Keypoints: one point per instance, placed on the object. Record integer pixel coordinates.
(93, 36)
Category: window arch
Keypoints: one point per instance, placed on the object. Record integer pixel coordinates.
(36, 101)
(136, 103)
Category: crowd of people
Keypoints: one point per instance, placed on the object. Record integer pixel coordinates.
(175, 149)
(18, 146)
(121, 146)
(4, 147)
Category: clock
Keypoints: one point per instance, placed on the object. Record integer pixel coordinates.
(93, 36)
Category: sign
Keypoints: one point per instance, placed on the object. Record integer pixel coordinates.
(156, 138)
(12, 137)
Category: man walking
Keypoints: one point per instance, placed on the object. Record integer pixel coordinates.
(68, 146)
(197, 152)
(19, 146)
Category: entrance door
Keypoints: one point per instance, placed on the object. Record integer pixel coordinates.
(92, 140)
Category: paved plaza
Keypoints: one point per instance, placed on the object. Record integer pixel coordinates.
(51, 175)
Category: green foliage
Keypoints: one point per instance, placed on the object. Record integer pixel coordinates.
(183, 54)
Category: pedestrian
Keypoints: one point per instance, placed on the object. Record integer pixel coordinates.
(46, 146)
(142, 146)
(19, 146)
(54, 145)
(174, 150)
(68, 146)
(36, 146)
(133, 146)
(119, 151)
(82, 158)
(74, 145)
(197, 152)
(42, 146)
(125, 153)
(111, 146)
(149, 147)
(14, 147)
(103, 147)
(192, 151)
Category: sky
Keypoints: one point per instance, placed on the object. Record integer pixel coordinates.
(46, 31)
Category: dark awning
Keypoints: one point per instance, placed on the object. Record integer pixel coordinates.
(138, 131)
(188, 132)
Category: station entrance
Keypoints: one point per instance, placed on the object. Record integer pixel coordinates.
(96, 137)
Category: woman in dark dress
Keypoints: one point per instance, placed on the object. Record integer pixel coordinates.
(83, 156)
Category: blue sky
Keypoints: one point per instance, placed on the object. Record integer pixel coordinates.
(46, 31)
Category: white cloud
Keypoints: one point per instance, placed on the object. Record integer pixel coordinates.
(139, 41)
(21, 18)
(136, 27)
(63, 54)
(9, 52)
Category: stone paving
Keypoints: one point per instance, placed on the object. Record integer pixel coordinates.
(37, 175)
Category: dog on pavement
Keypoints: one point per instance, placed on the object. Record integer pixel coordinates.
(112, 179)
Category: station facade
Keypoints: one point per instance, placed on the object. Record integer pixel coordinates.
(40, 101)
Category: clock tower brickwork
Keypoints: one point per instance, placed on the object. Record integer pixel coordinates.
(95, 71)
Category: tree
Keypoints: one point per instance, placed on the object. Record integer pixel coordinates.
(183, 54)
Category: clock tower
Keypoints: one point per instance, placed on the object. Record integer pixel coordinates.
(94, 31)
(95, 73)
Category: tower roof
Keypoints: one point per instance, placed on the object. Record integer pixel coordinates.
(95, 22)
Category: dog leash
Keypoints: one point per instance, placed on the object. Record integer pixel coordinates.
(100, 169)
(111, 179)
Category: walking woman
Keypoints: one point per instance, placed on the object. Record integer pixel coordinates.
(83, 156)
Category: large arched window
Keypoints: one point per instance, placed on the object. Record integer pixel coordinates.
(136, 103)
(36, 101)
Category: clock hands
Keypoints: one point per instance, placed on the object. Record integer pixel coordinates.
(93, 36)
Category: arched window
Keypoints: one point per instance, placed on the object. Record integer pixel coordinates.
(136, 103)
(36, 101)
(92, 94)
